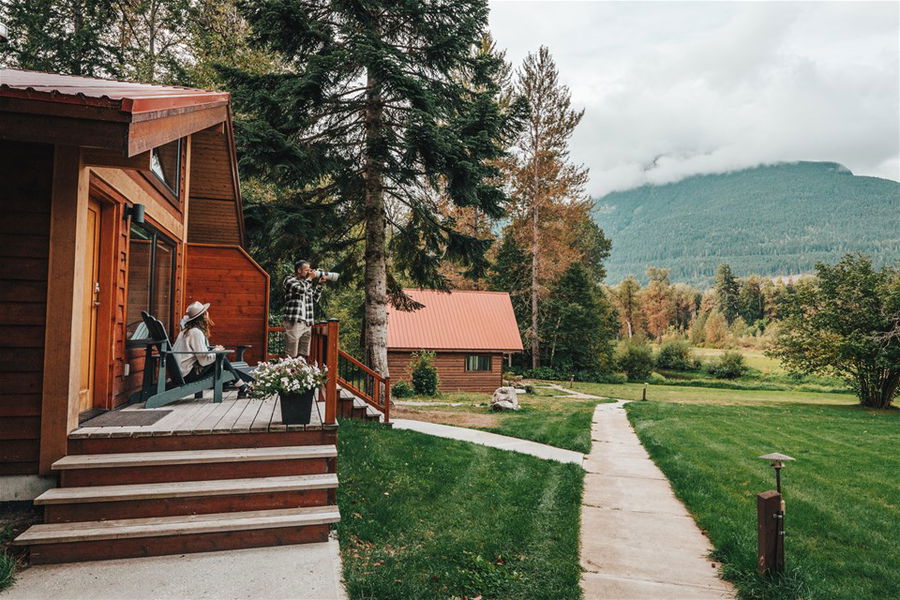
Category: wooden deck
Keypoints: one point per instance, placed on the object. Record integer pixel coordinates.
(203, 416)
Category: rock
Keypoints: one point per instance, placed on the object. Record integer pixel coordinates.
(505, 398)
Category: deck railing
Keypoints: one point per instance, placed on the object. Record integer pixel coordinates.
(344, 370)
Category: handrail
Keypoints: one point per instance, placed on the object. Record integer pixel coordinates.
(350, 373)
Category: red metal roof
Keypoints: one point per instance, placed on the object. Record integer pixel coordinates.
(133, 98)
(459, 320)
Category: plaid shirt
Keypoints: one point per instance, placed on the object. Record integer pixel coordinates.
(300, 295)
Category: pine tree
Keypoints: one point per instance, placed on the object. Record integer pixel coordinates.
(376, 112)
(75, 37)
(580, 323)
(727, 292)
(547, 190)
(511, 272)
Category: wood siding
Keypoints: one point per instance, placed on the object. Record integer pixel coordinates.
(214, 214)
(451, 367)
(26, 172)
(238, 290)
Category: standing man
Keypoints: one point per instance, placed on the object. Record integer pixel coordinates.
(300, 292)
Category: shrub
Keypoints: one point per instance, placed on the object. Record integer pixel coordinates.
(675, 355)
(729, 366)
(636, 359)
(424, 374)
(402, 389)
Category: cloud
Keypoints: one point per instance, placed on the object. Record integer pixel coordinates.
(676, 89)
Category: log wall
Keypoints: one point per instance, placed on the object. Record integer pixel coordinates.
(451, 367)
(26, 173)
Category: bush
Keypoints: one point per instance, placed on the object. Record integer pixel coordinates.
(424, 374)
(676, 356)
(729, 366)
(636, 359)
(402, 389)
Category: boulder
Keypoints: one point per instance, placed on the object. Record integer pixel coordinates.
(505, 398)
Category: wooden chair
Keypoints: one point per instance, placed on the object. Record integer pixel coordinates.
(161, 393)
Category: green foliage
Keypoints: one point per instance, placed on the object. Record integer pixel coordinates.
(62, 36)
(675, 355)
(767, 220)
(402, 389)
(7, 570)
(729, 366)
(425, 380)
(727, 292)
(635, 358)
(422, 519)
(846, 322)
(579, 324)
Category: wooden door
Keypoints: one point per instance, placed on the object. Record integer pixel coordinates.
(90, 308)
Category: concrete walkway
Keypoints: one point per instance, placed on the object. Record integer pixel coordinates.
(637, 538)
(301, 572)
(503, 442)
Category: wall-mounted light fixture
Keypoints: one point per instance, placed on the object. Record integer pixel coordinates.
(136, 212)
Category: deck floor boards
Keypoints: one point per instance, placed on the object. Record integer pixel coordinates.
(232, 415)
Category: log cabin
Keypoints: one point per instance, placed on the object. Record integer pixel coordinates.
(470, 333)
(118, 198)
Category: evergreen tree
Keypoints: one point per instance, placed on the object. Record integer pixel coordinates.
(727, 292)
(376, 110)
(75, 37)
(751, 301)
(579, 324)
(511, 272)
(547, 191)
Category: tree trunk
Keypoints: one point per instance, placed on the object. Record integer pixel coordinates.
(535, 340)
(375, 277)
(877, 390)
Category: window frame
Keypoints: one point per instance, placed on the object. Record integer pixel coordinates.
(154, 236)
(479, 357)
(176, 191)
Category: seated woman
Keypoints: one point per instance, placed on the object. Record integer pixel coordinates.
(194, 340)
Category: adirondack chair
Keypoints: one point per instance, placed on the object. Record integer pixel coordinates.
(161, 393)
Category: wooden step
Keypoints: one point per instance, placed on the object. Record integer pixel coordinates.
(181, 489)
(229, 463)
(146, 459)
(53, 533)
(124, 538)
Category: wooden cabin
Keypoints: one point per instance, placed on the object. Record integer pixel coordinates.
(120, 197)
(470, 333)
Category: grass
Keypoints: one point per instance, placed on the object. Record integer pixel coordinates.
(425, 517)
(842, 511)
(545, 417)
(15, 517)
(755, 359)
(709, 395)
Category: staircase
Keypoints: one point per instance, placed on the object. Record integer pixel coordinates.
(352, 407)
(118, 500)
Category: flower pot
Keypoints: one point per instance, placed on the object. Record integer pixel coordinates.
(296, 407)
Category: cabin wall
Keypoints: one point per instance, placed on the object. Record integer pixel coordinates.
(237, 289)
(26, 173)
(451, 367)
(215, 217)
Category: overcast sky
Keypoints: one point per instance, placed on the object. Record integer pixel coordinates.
(673, 89)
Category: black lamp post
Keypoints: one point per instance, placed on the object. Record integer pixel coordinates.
(770, 520)
(777, 462)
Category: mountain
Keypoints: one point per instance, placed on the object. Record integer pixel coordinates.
(769, 220)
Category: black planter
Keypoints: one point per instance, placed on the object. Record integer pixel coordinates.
(296, 407)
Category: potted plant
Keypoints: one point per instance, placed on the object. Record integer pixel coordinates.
(294, 381)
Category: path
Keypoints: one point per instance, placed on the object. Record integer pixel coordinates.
(485, 438)
(572, 393)
(298, 572)
(637, 539)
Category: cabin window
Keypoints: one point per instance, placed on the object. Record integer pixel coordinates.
(151, 277)
(478, 362)
(165, 163)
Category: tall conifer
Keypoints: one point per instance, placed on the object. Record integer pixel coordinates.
(379, 110)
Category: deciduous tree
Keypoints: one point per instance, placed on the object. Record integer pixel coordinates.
(846, 323)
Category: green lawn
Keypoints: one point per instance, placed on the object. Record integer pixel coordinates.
(708, 395)
(424, 517)
(755, 359)
(545, 417)
(843, 514)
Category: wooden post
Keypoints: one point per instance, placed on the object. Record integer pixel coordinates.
(770, 532)
(331, 358)
(387, 399)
